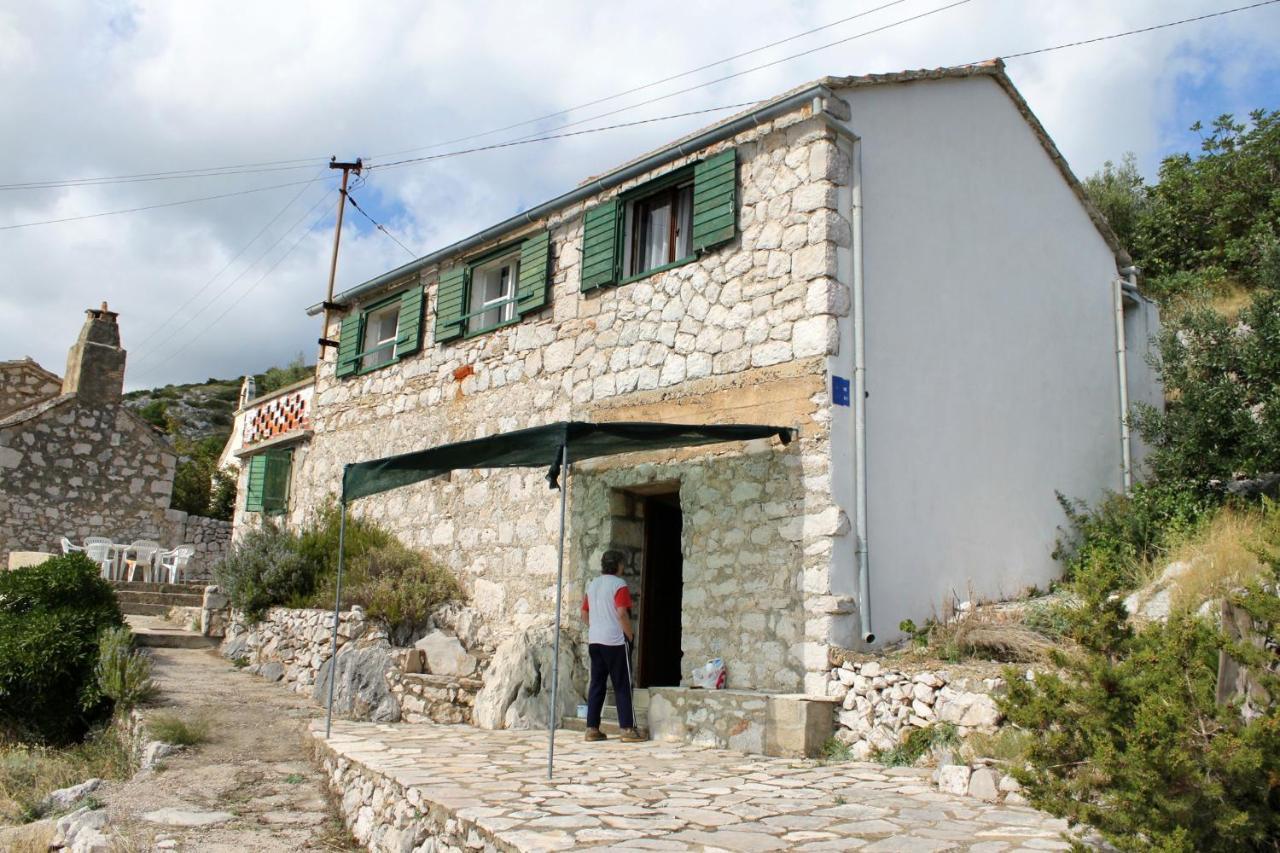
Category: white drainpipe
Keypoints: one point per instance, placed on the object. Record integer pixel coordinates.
(859, 392)
(1122, 370)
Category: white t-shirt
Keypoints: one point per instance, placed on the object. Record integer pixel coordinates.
(605, 594)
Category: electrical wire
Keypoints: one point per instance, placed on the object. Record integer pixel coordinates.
(300, 163)
(377, 224)
(152, 206)
(1097, 39)
(156, 346)
(243, 249)
(191, 340)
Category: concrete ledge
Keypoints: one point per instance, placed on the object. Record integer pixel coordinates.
(786, 725)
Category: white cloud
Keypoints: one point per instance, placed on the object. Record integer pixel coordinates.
(103, 88)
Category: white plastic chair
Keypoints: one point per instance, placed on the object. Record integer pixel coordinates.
(172, 563)
(144, 555)
(99, 549)
(68, 546)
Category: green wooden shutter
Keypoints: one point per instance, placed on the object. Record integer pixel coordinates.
(451, 294)
(600, 243)
(409, 326)
(715, 186)
(275, 480)
(535, 269)
(349, 344)
(257, 476)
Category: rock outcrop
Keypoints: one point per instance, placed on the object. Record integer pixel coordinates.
(517, 683)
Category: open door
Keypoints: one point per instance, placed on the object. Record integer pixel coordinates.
(661, 593)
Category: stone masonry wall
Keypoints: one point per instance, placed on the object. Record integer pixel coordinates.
(741, 334)
(210, 536)
(22, 383)
(76, 470)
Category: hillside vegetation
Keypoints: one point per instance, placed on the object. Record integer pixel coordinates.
(197, 417)
(1127, 734)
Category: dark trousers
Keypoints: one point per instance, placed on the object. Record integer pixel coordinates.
(610, 662)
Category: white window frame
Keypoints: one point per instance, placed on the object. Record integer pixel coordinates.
(384, 347)
(684, 231)
(504, 303)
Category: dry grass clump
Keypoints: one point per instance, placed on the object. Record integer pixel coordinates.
(29, 773)
(1223, 556)
(989, 634)
(173, 729)
(1007, 745)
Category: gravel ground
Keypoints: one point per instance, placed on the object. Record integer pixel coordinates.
(251, 786)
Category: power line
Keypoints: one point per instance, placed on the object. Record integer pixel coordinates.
(298, 163)
(157, 346)
(236, 256)
(152, 206)
(1097, 39)
(378, 225)
(297, 183)
(250, 289)
(644, 86)
(394, 164)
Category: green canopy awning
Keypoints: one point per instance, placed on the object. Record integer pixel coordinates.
(540, 447)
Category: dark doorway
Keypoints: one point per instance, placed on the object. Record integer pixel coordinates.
(661, 591)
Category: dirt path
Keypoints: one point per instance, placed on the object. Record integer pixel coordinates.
(254, 769)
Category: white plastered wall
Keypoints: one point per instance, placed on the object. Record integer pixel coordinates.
(990, 339)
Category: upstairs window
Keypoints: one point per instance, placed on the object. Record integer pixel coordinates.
(379, 344)
(493, 293)
(669, 221)
(659, 229)
(381, 334)
(268, 483)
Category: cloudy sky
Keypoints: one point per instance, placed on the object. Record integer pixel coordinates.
(218, 287)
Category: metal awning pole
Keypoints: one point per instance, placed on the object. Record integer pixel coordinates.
(337, 603)
(555, 663)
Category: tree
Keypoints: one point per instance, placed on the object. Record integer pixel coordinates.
(1120, 195)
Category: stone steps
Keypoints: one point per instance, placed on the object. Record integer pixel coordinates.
(155, 599)
(178, 588)
(172, 599)
(154, 633)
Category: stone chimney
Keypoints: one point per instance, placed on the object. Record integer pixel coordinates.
(95, 364)
(248, 390)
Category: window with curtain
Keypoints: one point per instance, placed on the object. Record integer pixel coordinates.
(659, 229)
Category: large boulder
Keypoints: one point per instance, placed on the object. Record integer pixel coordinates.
(360, 692)
(445, 655)
(518, 681)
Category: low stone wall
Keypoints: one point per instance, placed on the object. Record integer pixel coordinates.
(779, 724)
(386, 817)
(429, 697)
(878, 705)
(291, 645)
(211, 538)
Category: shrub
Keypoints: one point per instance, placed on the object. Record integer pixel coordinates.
(265, 569)
(176, 730)
(124, 674)
(397, 585)
(917, 743)
(51, 616)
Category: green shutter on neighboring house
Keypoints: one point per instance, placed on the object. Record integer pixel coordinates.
(349, 344)
(715, 184)
(257, 476)
(275, 480)
(600, 242)
(450, 301)
(409, 326)
(535, 268)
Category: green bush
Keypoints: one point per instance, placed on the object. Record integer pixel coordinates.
(1222, 377)
(393, 582)
(124, 674)
(917, 743)
(265, 569)
(51, 616)
(398, 585)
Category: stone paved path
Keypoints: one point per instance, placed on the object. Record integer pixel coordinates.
(662, 797)
(252, 786)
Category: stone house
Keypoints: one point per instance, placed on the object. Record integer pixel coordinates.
(76, 462)
(900, 266)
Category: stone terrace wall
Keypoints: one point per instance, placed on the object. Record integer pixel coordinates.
(879, 704)
(210, 536)
(23, 383)
(722, 338)
(79, 470)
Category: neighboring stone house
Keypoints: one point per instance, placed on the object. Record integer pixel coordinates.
(900, 266)
(75, 462)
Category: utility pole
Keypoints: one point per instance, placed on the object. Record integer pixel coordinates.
(329, 304)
